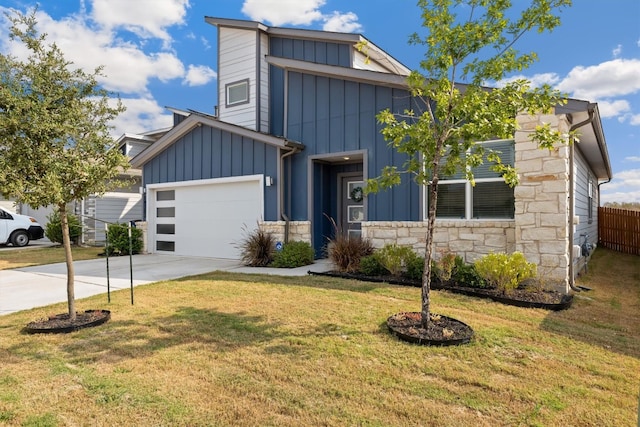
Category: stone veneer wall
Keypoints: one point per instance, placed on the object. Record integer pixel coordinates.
(298, 230)
(469, 239)
(542, 203)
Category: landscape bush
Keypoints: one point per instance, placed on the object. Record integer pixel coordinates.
(370, 266)
(257, 248)
(293, 254)
(118, 237)
(466, 275)
(505, 271)
(396, 258)
(53, 229)
(346, 252)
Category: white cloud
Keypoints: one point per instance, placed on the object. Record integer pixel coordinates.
(618, 77)
(625, 187)
(633, 158)
(145, 18)
(616, 108)
(142, 114)
(617, 51)
(634, 120)
(536, 80)
(199, 75)
(342, 22)
(631, 196)
(280, 12)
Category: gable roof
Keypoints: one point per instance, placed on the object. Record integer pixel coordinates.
(196, 119)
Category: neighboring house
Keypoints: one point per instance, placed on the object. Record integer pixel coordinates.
(295, 137)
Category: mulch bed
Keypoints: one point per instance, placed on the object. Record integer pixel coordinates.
(60, 323)
(528, 298)
(440, 331)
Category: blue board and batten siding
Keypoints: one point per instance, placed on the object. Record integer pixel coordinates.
(326, 53)
(206, 152)
(332, 116)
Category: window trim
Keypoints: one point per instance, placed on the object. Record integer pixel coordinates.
(232, 85)
(468, 203)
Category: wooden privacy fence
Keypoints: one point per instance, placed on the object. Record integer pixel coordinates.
(619, 229)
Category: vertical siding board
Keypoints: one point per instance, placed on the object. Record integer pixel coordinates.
(187, 142)
(171, 164)
(236, 155)
(322, 112)
(197, 152)
(294, 100)
(333, 54)
(207, 144)
(309, 108)
(309, 51)
(321, 53)
(268, 156)
(226, 155)
(298, 49)
(276, 100)
(336, 116)
(344, 55)
(351, 120)
(216, 153)
(248, 167)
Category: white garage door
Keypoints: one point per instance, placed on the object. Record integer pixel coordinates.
(203, 218)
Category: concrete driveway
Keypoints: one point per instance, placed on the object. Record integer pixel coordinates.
(30, 287)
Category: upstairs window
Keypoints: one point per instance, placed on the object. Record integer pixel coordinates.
(237, 93)
(490, 198)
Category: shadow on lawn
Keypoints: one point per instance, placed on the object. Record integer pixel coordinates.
(308, 281)
(608, 315)
(218, 332)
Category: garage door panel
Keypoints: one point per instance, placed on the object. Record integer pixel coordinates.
(209, 218)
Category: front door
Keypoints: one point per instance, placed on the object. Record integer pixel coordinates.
(351, 202)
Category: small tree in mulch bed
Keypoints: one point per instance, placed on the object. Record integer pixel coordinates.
(468, 43)
(54, 128)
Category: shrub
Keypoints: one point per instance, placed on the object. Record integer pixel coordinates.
(118, 236)
(395, 258)
(293, 254)
(444, 266)
(53, 229)
(346, 252)
(415, 268)
(370, 266)
(505, 271)
(466, 275)
(257, 248)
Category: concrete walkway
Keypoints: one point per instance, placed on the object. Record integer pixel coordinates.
(30, 287)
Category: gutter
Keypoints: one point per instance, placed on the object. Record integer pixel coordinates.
(591, 111)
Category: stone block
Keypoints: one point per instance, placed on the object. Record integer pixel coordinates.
(533, 165)
(555, 166)
(553, 220)
(543, 207)
(524, 191)
(496, 241)
(539, 234)
(558, 247)
(458, 246)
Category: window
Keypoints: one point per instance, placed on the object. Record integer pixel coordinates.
(491, 198)
(237, 93)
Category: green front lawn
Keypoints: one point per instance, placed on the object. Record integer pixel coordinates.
(228, 349)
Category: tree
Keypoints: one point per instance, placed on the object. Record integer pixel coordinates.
(468, 43)
(54, 141)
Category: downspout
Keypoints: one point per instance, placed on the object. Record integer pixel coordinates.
(283, 215)
(572, 280)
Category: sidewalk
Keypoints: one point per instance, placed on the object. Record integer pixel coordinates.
(30, 287)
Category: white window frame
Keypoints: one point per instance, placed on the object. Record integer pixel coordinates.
(234, 85)
(468, 193)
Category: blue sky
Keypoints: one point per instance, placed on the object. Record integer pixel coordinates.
(160, 53)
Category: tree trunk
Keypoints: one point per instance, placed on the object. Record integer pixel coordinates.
(428, 252)
(66, 243)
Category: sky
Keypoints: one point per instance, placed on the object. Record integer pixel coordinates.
(161, 53)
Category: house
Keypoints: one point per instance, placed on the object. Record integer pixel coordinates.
(295, 136)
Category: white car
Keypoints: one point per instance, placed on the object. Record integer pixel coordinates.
(18, 229)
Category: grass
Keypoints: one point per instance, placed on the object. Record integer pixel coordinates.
(226, 349)
(31, 256)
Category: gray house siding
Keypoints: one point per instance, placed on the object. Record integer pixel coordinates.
(582, 201)
(206, 152)
(334, 116)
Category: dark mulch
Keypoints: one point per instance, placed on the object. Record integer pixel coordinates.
(60, 323)
(522, 297)
(440, 331)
